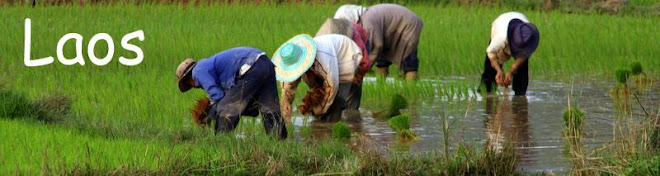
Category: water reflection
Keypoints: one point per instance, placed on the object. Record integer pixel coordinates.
(506, 122)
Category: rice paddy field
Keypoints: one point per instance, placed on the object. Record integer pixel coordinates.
(133, 119)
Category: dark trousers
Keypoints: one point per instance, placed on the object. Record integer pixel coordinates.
(520, 78)
(348, 97)
(410, 63)
(255, 92)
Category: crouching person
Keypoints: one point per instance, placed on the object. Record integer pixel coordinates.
(239, 81)
(328, 65)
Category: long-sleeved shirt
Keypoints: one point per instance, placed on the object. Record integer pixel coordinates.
(337, 60)
(217, 73)
(499, 45)
(393, 32)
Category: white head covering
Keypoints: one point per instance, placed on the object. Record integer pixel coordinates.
(350, 12)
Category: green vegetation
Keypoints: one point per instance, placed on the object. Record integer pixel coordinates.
(133, 120)
(397, 103)
(401, 124)
(636, 68)
(340, 130)
(574, 145)
(573, 118)
(48, 109)
(622, 75)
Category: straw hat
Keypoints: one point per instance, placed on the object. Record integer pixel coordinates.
(294, 57)
(183, 72)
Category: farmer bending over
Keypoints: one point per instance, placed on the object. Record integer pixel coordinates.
(393, 35)
(327, 64)
(511, 35)
(359, 36)
(239, 81)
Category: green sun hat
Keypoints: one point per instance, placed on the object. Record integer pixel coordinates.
(294, 57)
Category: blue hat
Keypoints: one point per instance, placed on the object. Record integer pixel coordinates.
(523, 38)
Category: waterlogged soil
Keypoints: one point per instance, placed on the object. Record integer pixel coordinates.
(532, 123)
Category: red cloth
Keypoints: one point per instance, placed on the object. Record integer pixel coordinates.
(360, 37)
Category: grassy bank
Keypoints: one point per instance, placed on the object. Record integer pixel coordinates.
(134, 120)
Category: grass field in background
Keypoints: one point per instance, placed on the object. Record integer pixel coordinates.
(130, 117)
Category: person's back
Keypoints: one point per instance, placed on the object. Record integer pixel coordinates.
(393, 36)
(224, 66)
(348, 55)
(392, 13)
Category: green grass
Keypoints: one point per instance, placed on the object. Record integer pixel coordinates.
(133, 119)
(340, 130)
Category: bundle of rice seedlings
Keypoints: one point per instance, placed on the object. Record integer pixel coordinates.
(200, 111)
(621, 88)
(638, 73)
(401, 125)
(341, 131)
(397, 103)
(313, 98)
(573, 118)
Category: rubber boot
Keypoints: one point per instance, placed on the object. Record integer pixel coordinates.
(412, 76)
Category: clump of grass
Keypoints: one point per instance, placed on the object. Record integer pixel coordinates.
(573, 118)
(48, 109)
(638, 73)
(574, 147)
(621, 88)
(52, 108)
(397, 103)
(341, 131)
(636, 68)
(401, 124)
(13, 104)
(622, 75)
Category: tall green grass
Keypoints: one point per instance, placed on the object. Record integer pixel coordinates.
(130, 117)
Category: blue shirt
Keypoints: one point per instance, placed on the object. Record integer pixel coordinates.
(218, 73)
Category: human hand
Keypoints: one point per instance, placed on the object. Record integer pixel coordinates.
(498, 78)
(507, 79)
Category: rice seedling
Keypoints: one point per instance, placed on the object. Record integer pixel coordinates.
(397, 103)
(133, 121)
(621, 89)
(401, 124)
(639, 76)
(340, 130)
(573, 118)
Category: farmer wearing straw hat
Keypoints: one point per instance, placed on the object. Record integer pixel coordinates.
(327, 64)
(511, 35)
(239, 81)
(393, 35)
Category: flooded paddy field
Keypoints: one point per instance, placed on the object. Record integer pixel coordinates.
(532, 123)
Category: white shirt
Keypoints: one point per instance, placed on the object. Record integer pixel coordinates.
(498, 35)
(337, 61)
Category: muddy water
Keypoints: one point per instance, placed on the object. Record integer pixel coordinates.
(532, 123)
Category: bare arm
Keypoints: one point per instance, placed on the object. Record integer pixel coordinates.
(514, 68)
(288, 94)
(516, 64)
